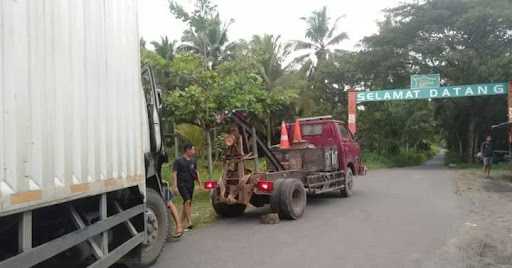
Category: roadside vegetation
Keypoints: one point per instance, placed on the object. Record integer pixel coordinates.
(453, 161)
(399, 159)
(204, 73)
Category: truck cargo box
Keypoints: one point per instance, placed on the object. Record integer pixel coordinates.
(72, 114)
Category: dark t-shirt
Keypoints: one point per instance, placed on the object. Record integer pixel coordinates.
(186, 170)
(487, 149)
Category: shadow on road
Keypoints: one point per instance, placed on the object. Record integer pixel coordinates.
(253, 214)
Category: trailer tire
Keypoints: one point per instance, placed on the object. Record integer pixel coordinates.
(348, 183)
(226, 210)
(276, 196)
(158, 218)
(293, 199)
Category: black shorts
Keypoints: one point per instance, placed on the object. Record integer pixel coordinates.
(186, 191)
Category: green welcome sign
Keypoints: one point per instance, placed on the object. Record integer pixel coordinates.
(433, 92)
(425, 81)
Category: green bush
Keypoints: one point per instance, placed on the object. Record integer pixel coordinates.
(374, 160)
(401, 159)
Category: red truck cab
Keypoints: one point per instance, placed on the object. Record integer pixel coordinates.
(324, 131)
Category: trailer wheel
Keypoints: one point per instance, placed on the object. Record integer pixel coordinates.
(276, 196)
(226, 210)
(292, 199)
(157, 217)
(348, 183)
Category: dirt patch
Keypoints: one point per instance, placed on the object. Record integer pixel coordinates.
(497, 186)
(485, 239)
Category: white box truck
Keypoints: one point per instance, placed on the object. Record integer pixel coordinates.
(80, 141)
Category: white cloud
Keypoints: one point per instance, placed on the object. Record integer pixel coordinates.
(269, 16)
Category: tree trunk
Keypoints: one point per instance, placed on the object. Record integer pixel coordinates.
(269, 131)
(459, 143)
(214, 140)
(471, 140)
(209, 156)
(475, 145)
(176, 142)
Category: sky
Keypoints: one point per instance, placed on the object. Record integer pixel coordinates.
(278, 17)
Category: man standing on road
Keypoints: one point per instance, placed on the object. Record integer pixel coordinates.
(487, 153)
(184, 174)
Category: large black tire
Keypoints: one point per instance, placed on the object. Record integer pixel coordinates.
(223, 209)
(157, 228)
(292, 199)
(275, 198)
(348, 183)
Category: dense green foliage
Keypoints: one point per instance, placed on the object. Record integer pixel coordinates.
(465, 41)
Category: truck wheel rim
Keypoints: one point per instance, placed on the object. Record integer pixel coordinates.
(152, 226)
(297, 199)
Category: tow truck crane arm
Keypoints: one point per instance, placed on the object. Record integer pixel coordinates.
(237, 117)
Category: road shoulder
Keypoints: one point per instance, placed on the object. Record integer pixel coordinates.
(485, 237)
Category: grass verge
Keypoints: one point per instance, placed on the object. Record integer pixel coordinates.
(401, 159)
(202, 211)
(453, 160)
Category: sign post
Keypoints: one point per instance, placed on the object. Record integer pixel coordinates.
(352, 111)
(510, 101)
(509, 117)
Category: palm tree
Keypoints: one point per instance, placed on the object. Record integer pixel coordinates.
(321, 37)
(270, 56)
(206, 36)
(165, 48)
(211, 41)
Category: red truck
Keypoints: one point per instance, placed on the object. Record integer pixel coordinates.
(325, 159)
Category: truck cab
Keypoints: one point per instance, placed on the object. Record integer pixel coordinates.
(324, 131)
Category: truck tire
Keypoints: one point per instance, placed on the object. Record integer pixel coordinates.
(226, 210)
(292, 199)
(275, 197)
(348, 183)
(157, 227)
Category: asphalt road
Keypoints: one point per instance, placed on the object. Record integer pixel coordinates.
(396, 218)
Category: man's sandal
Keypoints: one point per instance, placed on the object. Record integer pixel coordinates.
(178, 234)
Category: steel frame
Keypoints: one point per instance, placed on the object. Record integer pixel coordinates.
(30, 256)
